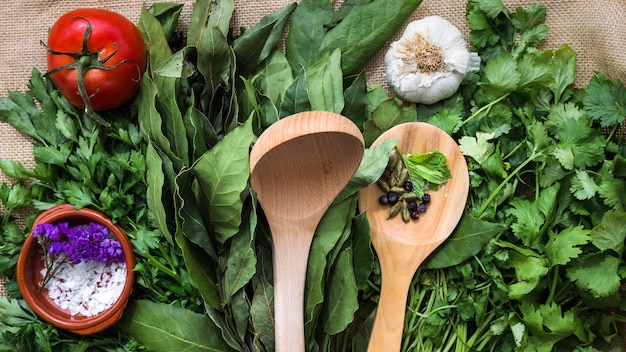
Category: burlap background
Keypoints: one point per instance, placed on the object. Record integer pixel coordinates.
(595, 29)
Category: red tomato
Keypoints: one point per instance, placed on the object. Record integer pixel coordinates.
(111, 63)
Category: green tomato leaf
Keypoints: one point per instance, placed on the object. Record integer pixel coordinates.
(165, 327)
(222, 174)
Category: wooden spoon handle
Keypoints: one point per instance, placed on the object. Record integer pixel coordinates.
(389, 321)
(291, 252)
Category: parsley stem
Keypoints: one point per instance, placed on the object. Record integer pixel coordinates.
(484, 108)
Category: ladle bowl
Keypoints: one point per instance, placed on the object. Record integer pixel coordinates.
(402, 247)
(298, 166)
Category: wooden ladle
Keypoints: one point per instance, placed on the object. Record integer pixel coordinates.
(401, 247)
(298, 166)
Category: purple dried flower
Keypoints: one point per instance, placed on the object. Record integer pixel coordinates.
(48, 231)
(76, 244)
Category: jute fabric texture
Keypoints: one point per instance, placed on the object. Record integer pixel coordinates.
(594, 29)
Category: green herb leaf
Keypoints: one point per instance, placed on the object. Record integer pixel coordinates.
(222, 174)
(164, 327)
(469, 238)
(343, 296)
(365, 29)
(426, 169)
(611, 232)
(596, 273)
(566, 245)
(606, 100)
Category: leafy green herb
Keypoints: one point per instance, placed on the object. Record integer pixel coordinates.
(426, 170)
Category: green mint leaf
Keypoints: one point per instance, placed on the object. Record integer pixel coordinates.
(596, 273)
(611, 232)
(426, 169)
(565, 246)
(605, 100)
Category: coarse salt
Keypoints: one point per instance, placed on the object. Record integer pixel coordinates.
(87, 288)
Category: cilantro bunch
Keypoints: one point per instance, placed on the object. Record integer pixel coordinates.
(537, 262)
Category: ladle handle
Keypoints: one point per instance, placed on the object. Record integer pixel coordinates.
(388, 325)
(291, 253)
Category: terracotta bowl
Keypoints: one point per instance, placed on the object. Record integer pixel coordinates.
(30, 263)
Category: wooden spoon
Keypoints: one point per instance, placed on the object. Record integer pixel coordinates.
(401, 247)
(298, 166)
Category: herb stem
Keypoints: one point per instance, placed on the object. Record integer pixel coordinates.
(153, 261)
(493, 195)
(484, 108)
(553, 285)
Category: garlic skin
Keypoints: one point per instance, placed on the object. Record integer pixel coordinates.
(429, 62)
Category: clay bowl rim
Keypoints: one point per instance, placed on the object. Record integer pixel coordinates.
(43, 306)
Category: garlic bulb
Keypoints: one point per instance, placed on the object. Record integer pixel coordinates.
(429, 62)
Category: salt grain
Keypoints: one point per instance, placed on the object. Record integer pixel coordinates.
(87, 288)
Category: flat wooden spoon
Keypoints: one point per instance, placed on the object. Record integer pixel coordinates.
(298, 166)
(401, 247)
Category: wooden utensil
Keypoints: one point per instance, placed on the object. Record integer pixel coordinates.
(401, 247)
(298, 166)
